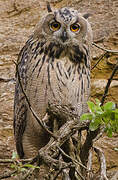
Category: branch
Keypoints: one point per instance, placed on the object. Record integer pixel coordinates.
(102, 161)
(104, 49)
(7, 80)
(75, 162)
(102, 171)
(113, 72)
(7, 174)
(108, 84)
(61, 169)
(72, 159)
(101, 131)
(100, 58)
(12, 160)
(63, 134)
(88, 144)
(89, 165)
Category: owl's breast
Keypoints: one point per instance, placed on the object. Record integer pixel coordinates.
(58, 82)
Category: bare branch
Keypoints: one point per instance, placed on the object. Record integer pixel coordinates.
(80, 175)
(104, 49)
(102, 129)
(64, 133)
(73, 160)
(102, 161)
(7, 161)
(27, 174)
(108, 84)
(89, 165)
(7, 174)
(99, 40)
(6, 80)
(61, 169)
(100, 58)
(84, 153)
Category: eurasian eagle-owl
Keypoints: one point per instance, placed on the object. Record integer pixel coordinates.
(54, 67)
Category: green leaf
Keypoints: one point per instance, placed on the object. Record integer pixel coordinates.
(22, 169)
(30, 166)
(91, 106)
(98, 103)
(14, 155)
(109, 131)
(99, 110)
(94, 125)
(109, 106)
(105, 119)
(86, 116)
(13, 166)
(116, 110)
(116, 116)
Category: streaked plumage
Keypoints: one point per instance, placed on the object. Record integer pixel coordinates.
(54, 67)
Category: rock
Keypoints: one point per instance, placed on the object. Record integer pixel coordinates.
(101, 83)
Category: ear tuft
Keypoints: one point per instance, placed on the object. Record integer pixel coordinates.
(49, 7)
(86, 15)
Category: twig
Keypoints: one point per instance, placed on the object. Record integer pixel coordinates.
(7, 175)
(73, 160)
(104, 49)
(29, 172)
(102, 129)
(79, 174)
(89, 165)
(102, 160)
(108, 84)
(84, 153)
(116, 79)
(100, 58)
(64, 133)
(99, 40)
(61, 169)
(6, 80)
(12, 160)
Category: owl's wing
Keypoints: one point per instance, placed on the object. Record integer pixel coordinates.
(20, 106)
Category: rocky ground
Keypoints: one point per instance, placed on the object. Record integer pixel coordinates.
(17, 22)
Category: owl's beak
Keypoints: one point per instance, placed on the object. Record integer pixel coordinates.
(64, 36)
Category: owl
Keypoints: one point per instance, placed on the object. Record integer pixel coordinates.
(54, 68)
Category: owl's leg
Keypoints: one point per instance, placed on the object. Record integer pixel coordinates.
(34, 137)
(33, 142)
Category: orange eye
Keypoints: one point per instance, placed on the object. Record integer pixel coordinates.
(75, 27)
(55, 26)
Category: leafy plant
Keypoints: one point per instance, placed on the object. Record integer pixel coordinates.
(106, 115)
(19, 166)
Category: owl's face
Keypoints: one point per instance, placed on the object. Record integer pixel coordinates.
(65, 27)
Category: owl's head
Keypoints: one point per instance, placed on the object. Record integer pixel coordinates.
(65, 27)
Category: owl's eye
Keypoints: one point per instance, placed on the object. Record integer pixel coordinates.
(75, 27)
(55, 26)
